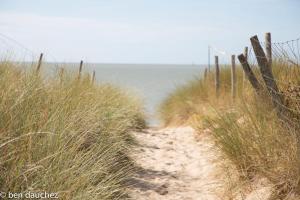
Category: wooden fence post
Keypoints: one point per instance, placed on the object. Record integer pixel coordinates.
(249, 73)
(94, 77)
(208, 59)
(246, 53)
(205, 74)
(80, 69)
(217, 78)
(266, 73)
(39, 63)
(233, 77)
(268, 48)
(246, 57)
(61, 74)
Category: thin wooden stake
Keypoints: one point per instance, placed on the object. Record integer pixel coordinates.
(39, 63)
(205, 74)
(94, 77)
(61, 74)
(233, 77)
(209, 58)
(217, 78)
(268, 48)
(246, 53)
(80, 69)
(246, 57)
(249, 73)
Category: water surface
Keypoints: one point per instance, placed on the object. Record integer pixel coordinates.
(152, 82)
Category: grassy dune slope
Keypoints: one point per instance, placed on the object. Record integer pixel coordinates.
(65, 135)
(248, 130)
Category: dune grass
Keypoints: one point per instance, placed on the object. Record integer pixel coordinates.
(197, 97)
(247, 130)
(65, 135)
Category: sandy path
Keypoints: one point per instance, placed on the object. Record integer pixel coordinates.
(177, 164)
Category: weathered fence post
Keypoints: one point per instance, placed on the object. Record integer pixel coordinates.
(217, 78)
(233, 77)
(267, 74)
(205, 73)
(246, 53)
(268, 48)
(249, 73)
(80, 69)
(246, 57)
(94, 77)
(208, 58)
(61, 74)
(39, 63)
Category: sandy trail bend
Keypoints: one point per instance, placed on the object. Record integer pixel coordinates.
(177, 164)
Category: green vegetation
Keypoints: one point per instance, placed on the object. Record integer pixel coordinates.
(247, 130)
(65, 135)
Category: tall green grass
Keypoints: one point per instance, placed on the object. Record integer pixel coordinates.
(65, 135)
(247, 130)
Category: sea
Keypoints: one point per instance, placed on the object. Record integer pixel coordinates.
(151, 82)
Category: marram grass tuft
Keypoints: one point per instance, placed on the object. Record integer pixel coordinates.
(65, 135)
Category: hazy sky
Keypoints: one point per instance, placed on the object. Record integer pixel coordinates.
(143, 31)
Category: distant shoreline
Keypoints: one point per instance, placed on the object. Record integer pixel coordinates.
(124, 64)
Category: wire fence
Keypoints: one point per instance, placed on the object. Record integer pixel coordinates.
(286, 54)
(21, 55)
(271, 68)
(287, 51)
(12, 49)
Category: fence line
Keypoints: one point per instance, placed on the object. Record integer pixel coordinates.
(287, 51)
(8, 41)
(217, 76)
(257, 57)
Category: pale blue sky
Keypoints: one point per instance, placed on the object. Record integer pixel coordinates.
(144, 31)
